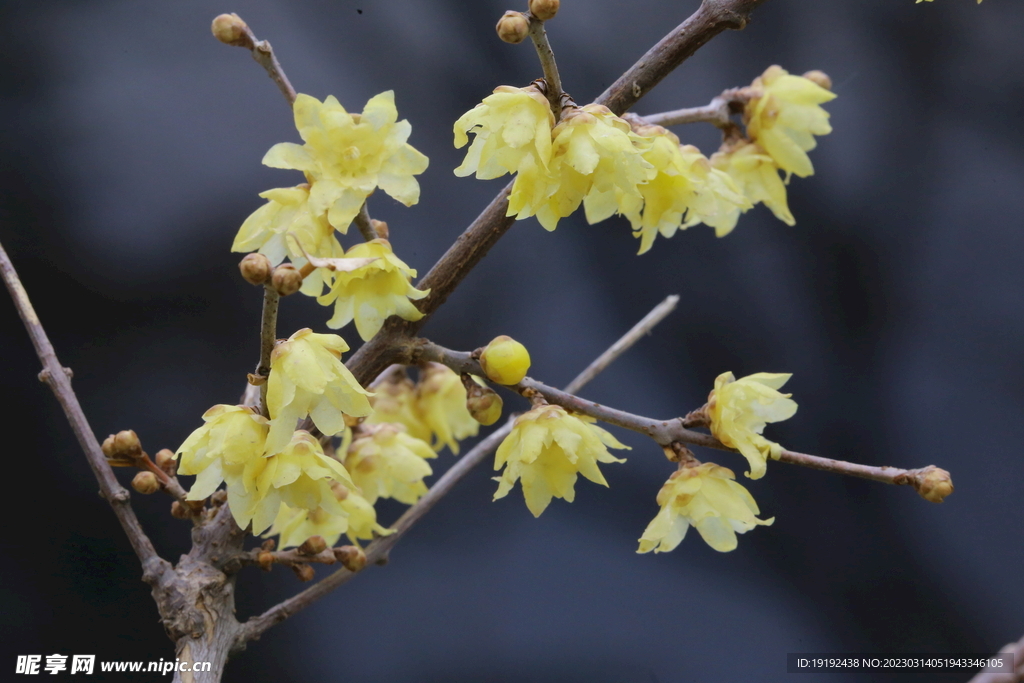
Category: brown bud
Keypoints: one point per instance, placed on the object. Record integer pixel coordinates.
(933, 483)
(219, 497)
(268, 545)
(544, 9)
(179, 511)
(231, 30)
(166, 461)
(304, 572)
(127, 444)
(513, 27)
(352, 557)
(483, 403)
(255, 268)
(146, 483)
(108, 446)
(314, 545)
(380, 228)
(265, 560)
(195, 506)
(819, 78)
(286, 279)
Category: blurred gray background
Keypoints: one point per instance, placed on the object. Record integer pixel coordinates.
(130, 154)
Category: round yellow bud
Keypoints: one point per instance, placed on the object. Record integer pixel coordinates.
(286, 279)
(255, 268)
(819, 78)
(352, 557)
(265, 560)
(108, 446)
(127, 444)
(484, 405)
(146, 483)
(934, 484)
(231, 30)
(166, 461)
(513, 27)
(505, 360)
(544, 9)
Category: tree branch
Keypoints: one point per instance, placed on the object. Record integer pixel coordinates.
(547, 62)
(718, 112)
(387, 347)
(230, 29)
(58, 378)
(268, 337)
(365, 225)
(377, 551)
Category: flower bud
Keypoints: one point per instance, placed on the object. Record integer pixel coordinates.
(484, 404)
(933, 483)
(352, 557)
(544, 9)
(146, 483)
(304, 572)
(286, 279)
(819, 78)
(314, 545)
(108, 446)
(255, 268)
(166, 461)
(268, 545)
(513, 27)
(231, 30)
(265, 560)
(505, 360)
(380, 228)
(179, 511)
(127, 444)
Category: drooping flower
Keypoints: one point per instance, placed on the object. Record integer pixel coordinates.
(359, 521)
(441, 399)
(546, 450)
(386, 462)
(231, 437)
(706, 497)
(739, 409)
(757, 177)
(307, 377)
(300, 476)
(362, 518)
(786, 117)
(346, 156)
(373, 293)
(394, 401)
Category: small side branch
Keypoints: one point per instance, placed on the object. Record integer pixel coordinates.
(230, 29)
(268, 337)
(365, 225)
(718, 112)
(547, 62)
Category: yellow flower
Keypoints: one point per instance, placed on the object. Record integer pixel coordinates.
(686, 188)
(757, 177)
(299, 476)
(346, 156)
(362, 518)
(373, 293)
(706, 497)
(307, 377)
(739, 409)
(546, 450)
(220, 449)
(385, 462)
(512, 128)
(359, 521)
(441, 400)
(394, 401)
(786, 117)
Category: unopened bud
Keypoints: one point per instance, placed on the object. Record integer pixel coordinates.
(146, 483)
(819, 78)
(255, 268)
(544, 9)
(505, 360)
(179, 511)
(513, 27)
(484, 404)
(265, 560)
(314, 545)
(194, 506)
(304, 572)
(166, 461)
(231, 30)
(286, 279)
(351, 557)
(268, 545)
(108, 446)
(127, 444)
(380, 228)
(933, 483)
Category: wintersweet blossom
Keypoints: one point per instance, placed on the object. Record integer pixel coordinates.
(371, 294)
(307, 377)
(231, 437)
(441, 400)
(546, 450)
(786, 117)
(386, 462)
(706, 497)
(757, 177)
(739, 409)
(346, 156)
(358, 521)
(394, 401)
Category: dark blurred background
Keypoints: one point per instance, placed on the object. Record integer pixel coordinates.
(130, 154)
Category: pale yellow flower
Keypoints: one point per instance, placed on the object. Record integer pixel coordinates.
(441, 400)
(706, 497)
(786, 117)
(307, 377)
(373, 293)
(295, 525)
(739, 409)
(394, 401)
(386, 462)
(546, 450)
(362, 518)
(346, 156)
(231, 437)
(757, 177)
(512, 127)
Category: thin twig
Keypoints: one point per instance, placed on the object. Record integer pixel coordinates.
(268, 337)
(240, 35)
(642, 328)
(365, 225)
(718, 112)
(58, 378)
(547, 62)
(1016, 650)
(378, 550)
(387, 347)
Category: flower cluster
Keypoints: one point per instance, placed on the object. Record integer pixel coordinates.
(359, 521)
(386, 462)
